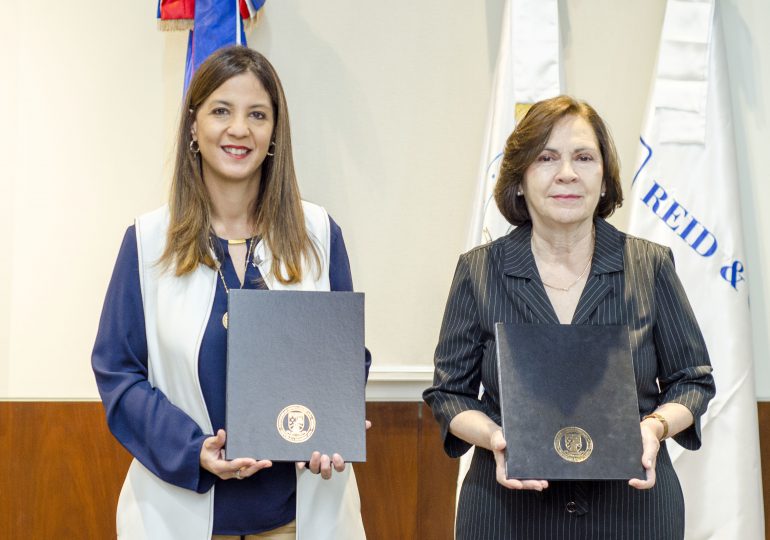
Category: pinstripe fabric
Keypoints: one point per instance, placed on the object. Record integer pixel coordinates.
(632, 282)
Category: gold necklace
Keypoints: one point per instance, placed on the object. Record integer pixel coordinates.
(249, 254)
(583, 273)
(568, 287)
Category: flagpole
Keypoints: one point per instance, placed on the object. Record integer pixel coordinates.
(238, 23)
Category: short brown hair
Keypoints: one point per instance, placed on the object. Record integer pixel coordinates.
(528, 140)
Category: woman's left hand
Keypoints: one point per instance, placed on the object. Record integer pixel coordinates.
(650, 447)
(323, 464)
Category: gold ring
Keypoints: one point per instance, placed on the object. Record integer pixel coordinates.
(238, 474)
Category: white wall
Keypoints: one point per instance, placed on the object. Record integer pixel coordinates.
(8, 148)
(388, 102)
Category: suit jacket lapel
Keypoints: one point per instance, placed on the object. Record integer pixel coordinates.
(608, 258)
(521, 277)
(522, 280)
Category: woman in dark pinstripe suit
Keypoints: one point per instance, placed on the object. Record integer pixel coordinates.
(564, 264)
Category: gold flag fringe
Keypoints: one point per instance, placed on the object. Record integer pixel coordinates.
(521, 110)
(181, 25)
(175, 25)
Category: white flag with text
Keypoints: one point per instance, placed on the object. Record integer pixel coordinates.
(685, 195)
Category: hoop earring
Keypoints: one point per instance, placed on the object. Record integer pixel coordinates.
(194, 147)
(272, 145)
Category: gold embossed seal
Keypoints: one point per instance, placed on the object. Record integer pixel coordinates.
(573, 444)
(296, 423)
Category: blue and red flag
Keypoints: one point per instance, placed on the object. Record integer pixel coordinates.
(213, 24)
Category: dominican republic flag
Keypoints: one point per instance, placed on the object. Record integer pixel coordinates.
(528, 70)
(213, 24)
(685, 196)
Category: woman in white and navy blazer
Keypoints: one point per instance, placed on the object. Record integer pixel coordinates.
(234, 219)
(564, 264)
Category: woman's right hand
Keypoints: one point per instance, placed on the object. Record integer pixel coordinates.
(497, 445)
(213, 461)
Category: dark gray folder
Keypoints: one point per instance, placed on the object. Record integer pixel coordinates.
(568, 402)
(295, 375)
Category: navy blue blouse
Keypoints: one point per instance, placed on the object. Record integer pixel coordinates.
(163, 437)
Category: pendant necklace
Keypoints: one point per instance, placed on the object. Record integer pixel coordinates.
(249, 254)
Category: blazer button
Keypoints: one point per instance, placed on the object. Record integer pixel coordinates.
(571, 507)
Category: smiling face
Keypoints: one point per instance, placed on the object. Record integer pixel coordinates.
(563, 185)
(234, 127)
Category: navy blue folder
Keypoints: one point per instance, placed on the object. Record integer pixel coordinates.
(295, 375)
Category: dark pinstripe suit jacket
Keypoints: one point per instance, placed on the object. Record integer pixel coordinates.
(632, 282)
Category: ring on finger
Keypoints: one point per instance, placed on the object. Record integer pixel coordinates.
(238, 474)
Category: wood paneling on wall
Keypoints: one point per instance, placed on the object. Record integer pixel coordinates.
(61, 472)
(407, 483)
(764, 449)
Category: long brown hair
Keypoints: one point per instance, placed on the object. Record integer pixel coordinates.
(528, 140)
(278, 210)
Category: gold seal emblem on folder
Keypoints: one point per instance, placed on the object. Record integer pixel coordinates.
(573, 444)
(296, 423)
